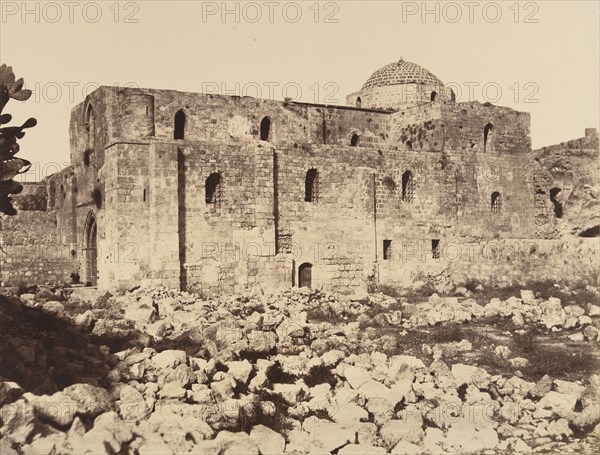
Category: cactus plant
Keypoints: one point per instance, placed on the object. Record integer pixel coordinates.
(11, 88)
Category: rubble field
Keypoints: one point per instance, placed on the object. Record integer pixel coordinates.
(157, 371)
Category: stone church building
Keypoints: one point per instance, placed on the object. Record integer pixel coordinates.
(215, 194)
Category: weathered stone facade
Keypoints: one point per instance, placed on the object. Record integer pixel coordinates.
(218, 193)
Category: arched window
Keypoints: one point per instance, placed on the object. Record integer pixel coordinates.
(265, 129)
(558, 207)
(433, 95)
(90, 250)
(214, 188)
(408, 187)
(354, 140)
(90, 126)
(358, 102)
(179, 131)
(408, 145)
(496, 206)
(311, 186)
(487, 137)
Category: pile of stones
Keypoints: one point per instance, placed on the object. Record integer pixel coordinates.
(253, 374)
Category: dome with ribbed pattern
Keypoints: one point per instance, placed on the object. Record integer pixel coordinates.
(401, 72)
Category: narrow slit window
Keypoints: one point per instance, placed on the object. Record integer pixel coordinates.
(311, 186)
(354, 140)
(496, 202)
(435, 249)
(90, 126)
(487, 137)
(408, 187)
(387, 250)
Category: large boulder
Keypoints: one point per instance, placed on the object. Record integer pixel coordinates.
(90, 400)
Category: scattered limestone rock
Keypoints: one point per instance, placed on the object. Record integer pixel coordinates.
(470, 434)
(90, 400)
(54, 307)
(406, 448)
(268, 441)
(561, 404)
(409, 428)
(559, 429)
(240, 370)
(291, 393)
(356, 376)
(590, 333)
(169, 359)
(593, 310)
(361, 449)
(327, 436)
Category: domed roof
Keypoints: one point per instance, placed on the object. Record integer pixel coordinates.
(401, 72)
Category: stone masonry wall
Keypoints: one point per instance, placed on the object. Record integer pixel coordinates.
(395, 97)
(147, 192)
(32, 248)
(567, 186)
(495, 262)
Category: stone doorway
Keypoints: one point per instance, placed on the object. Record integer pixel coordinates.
(91, 251)
(305, 275)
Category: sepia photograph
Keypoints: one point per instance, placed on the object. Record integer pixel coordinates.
(353, 227)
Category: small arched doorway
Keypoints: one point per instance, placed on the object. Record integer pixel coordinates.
(305, 275)
(91, 251)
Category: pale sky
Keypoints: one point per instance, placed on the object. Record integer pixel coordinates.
(540, 57)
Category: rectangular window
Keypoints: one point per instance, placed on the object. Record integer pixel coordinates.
(387, 249)
(435, 248)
